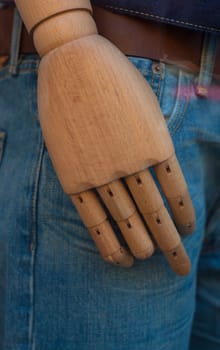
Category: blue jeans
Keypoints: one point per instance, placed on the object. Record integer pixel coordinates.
(55, 290)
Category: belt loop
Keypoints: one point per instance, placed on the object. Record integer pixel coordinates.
(15, 42)
(209, 50)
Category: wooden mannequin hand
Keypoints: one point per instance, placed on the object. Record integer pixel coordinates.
(103, 129)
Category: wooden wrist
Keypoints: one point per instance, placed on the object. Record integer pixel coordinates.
(61, 29)
(55, 23)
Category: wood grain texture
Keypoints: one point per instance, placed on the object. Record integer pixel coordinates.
(102, 113)
(59, 30)
(35, 11)
(175, 189)
(95, 219)
(101, 121)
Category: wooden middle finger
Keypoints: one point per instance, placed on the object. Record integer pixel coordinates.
(121, 207)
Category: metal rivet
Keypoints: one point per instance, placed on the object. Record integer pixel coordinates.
(156, 67)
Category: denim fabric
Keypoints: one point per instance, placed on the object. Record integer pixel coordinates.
(198, 14)
(55, 290)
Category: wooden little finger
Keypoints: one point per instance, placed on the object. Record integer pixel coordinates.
(168, 239)
(150, 204)
(175, 189)
(95, 219)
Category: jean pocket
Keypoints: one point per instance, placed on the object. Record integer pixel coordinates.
(174, 97)
(171, 87)
(2, 143)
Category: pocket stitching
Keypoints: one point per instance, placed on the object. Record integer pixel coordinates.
(2, 141)
(181, 103)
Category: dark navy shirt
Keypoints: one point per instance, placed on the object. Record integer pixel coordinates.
(195, 14)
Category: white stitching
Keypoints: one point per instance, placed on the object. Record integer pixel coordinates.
(163, 18)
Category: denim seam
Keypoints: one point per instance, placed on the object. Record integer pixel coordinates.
(5, 77)
(159, 86)
(15, 42)
(202, 136)
(6, 303)
(170, 20)
(213, 300)
(180, 103)
(208, 58)
(2, 142)
(24, 65)
(32, 98)
(180, 108)
(212, 248)
(34, 239)
(206, 336)
(214, 207)
(184, 108)
(155, 85)
(183, 326)
(152, 83)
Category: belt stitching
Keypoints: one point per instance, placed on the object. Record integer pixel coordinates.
(163, 18)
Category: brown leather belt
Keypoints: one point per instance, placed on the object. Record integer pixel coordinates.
(6, 20)
(133, 36)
